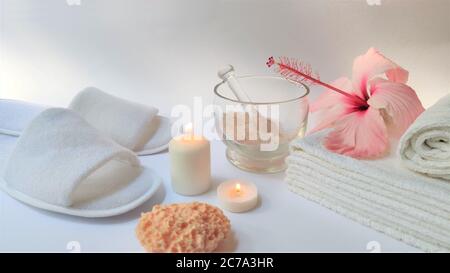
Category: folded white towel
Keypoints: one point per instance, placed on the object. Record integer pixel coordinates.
(15, 115)
(378, 193)
(370, 217)
(425, 147)
(61, 163)
(410, 203)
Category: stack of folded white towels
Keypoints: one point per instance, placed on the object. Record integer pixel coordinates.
(405, 195)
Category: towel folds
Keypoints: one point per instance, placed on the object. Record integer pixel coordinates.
(425, 147)
(381, 194)
(128, 123)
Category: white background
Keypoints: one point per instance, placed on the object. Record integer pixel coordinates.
(164, 52)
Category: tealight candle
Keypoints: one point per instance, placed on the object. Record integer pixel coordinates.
(237, 195)
(190, 163)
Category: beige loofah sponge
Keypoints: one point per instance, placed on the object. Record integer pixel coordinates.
(190, 227)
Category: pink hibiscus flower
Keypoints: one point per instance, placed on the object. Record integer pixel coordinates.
(363, 112)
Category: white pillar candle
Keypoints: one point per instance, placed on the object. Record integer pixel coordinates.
(237, 195)
(190, 164)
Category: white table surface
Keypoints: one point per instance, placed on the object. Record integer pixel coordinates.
(283, 221)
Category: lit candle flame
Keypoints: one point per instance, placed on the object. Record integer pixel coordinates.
(238, 188)
(188, 128)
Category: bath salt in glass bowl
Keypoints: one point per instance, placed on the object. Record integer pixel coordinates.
(257, 133)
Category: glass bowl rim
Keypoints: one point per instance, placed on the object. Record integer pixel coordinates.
(217, 93)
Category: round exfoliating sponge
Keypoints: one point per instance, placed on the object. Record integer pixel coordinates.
(187, 228)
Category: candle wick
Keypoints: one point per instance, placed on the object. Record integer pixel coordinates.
(238, 189)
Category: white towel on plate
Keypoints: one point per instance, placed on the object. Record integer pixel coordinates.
(7, 144)
(15, 115)
(52, 156)
(378, 193)
(425, 147)
(61, 163)
(134, 126)
(128, 123)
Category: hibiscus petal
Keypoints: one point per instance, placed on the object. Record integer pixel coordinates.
(371, 64)
(398, 102)
(331, 105)
(360, 134)
(327, 118)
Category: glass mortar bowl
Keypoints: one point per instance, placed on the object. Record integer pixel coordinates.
(257, 133)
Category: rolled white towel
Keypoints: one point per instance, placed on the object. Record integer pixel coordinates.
(425, 147)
